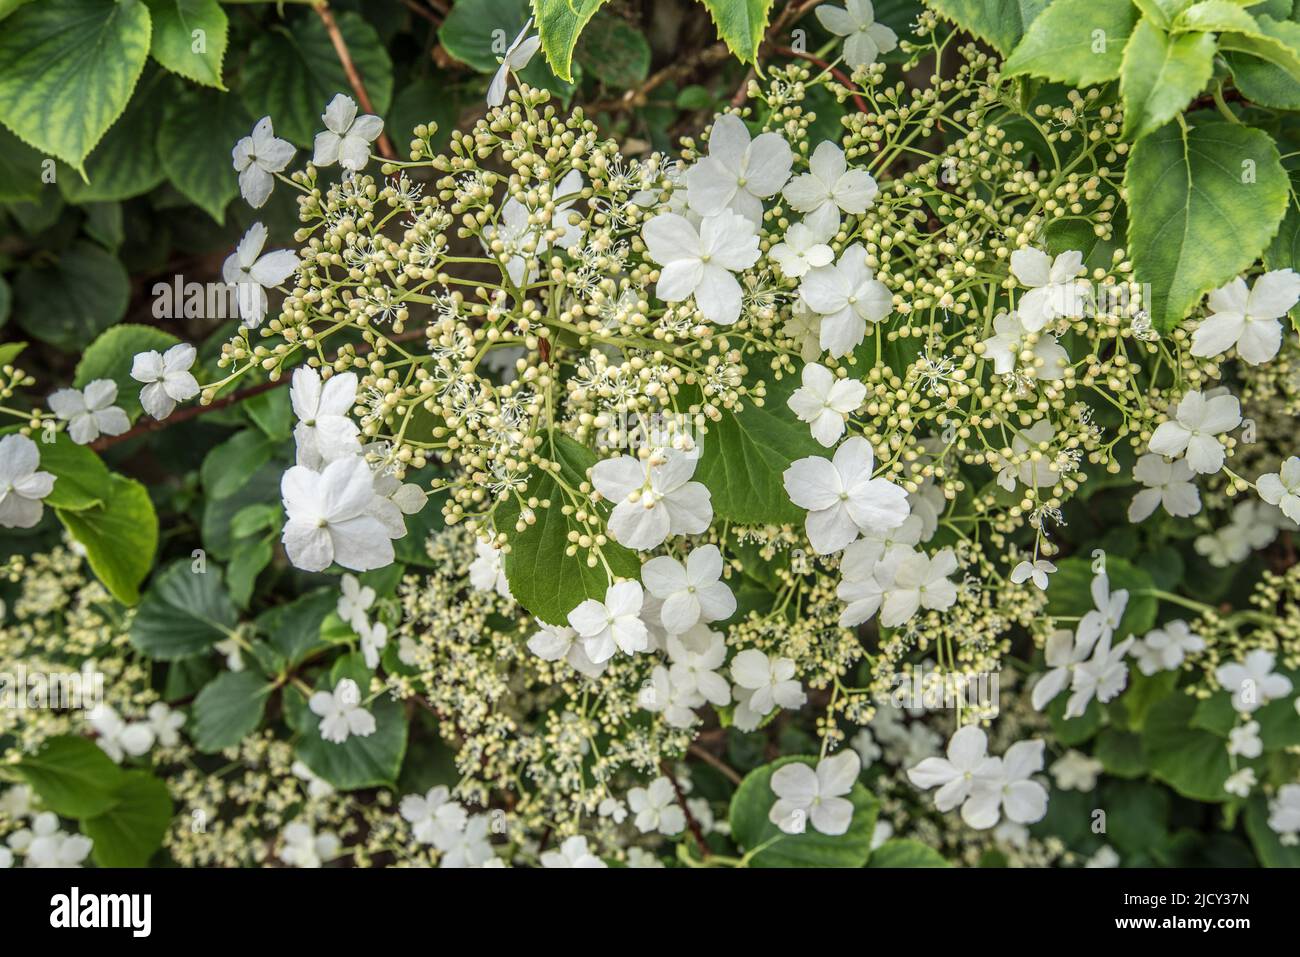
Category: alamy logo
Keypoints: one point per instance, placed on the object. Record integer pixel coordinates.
(133, 911)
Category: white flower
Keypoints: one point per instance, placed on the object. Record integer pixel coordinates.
(347, 137)
(256, 158)
(1109, 611)
(639, 857)
(167, 378)
(330, 520)
(767, 683)
(252, 274)
(518, 54)
(691, 593)
(805, 795)
(1252, 682)
(355, 600)
(804, 248)
(434, 818)
(341, 713)
(470, 847)
(612, 808)
(22, 487)
(1102, 676)
(1049, 360)
(661, 695)
(1106, 857)
(525, 237)
(696, 657)
(90, 413)
(915, 581)
(1053, 289)
(572, 853)
(700, 262)
(317, 786)
(967, 766)
(847, 296)
(1164, 648)
(561, 643)
(1283, 488)
(116, 737)
(325, 431)
(303, 847)
(927, 503)
(865, 746)
(6, 858)
(1251, 527)
(1195, 429)
(1076, 771)
(612, 625)
(1244, 740)
(1168, 484)
(864, 38)
(842, 498)
(655, 497)
(487, 572)
(1008, 789)
(373, 639)
(738, 174)
(45, 845)
(804, 327)
(1284, 811)
(1038, 570)
(830, 186)
(1241, 783)
(165, 723)
(656, 808)
(826, 402)
(16, 802)
(1063, 654)
(1041, 472)
(1248, 320)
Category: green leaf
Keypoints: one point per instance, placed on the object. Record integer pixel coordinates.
(743, 456)
(1120, 753)
(10, 351)
(131, 831)
(614, 52)
(292, 74)
(105, 224)
(228, 467)
(294, 629)
(81, 478)
(1191, 761)
(1075, 41)
(1262, 82)
(72, 776)
(1161, 75)
(193, 122)
(228, 709)
(1001, 22)
(120, 537)
(1210, 199)
(372, 761)
(740, 24)
(542, 578)
(1214, 16)
(189, 38)
(1284, 251)
(1266, 66)
(478, 32)
(1277, 41)
(1071, 593)
(111, 355)
(183, 613)
(558, 24)
(71, 300)
(902, 852)
(250, 557)
(750, 826)
(67, 68)
(20, 170)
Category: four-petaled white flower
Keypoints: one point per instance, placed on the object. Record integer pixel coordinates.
(562, 643)
(676, 702)
(864, 38)
(803, 248)
(1284, 812)
(1164, 648)
(167, 378)
(817, 797)
(913, 580)
(434, 818)
(347, 137)
(654, 497)
(487, 572)
(967, 768)
(1054, 291)
(828, 188)
(518, 55)
(355, 600)
(325, 431)
(696, 657)
(572, 853)
(1102, 676)
(1034, 471)
(612, 625)
(117, 737)
(252, 274)
(1037, 571)
(842, 498)
(1009, 789)
(1076, 771)
(1063, 654)
(1248, 319)
(1195, 429)
(1252, 682)
(1283, 488)
(826, 402)
(1168, 484)
(847, 296)
(330, 518)
(91, 412)
(1244, 741)
(46, 845)
(303, 847)
(700, 262)
(1104, 619)
(257, 158)
(1049, 360)
(373, 639)
(690, 593)
(656, 808)
(341, 713)
(739, 173)
(22, 487)
(763, 683)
